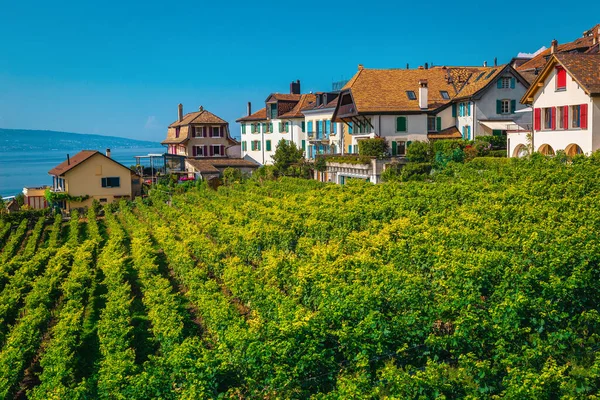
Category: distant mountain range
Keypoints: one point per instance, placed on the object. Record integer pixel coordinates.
(23, 139)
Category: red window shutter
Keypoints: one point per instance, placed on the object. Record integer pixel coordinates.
(583, 115)
(212, 152)
(222, 150)
(221, 131)
(205, 150)
(203, 131)
(553, 118)
(194, 151)
(561, 78)
(565, 117)
(537, 120)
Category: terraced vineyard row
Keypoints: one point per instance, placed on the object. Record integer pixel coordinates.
(480, 284)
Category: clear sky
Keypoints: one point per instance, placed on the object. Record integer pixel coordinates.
(120, 67)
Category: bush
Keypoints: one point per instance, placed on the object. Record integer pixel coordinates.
(415, 171)
(497, 153)
(497, 142)
(285, 156)
(232, 175)
(391, 172)
(376, 147)
(419, 152)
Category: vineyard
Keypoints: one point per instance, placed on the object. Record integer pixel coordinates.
(483, 282)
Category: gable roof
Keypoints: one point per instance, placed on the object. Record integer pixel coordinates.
(296, 112)
(583, 68)
(468, 81)
(582, 44)
(384, 90)
(313, 105)
(283, 97)
(260, 115)
(198, 117)
(79, 159)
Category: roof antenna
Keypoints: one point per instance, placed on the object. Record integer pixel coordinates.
(407, 66)
(495, 61)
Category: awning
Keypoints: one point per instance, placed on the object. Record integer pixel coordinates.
(497, 125)
(524, 110)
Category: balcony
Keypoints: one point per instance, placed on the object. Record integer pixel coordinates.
(346, 110)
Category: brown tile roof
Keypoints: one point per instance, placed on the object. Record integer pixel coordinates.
(313, 105)
(198, 117)
(77, 159)
(384, 90)
(212, 165)
(581, 44)
(285, 97)
(296, 112)
(174, 140)
(448, 133)
(529, 76)
(470, 80)
(260, 115)
(584, 68)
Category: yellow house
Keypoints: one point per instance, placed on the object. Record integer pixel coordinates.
(90, 175)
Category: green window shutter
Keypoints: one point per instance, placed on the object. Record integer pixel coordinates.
(268, 145)
(304, 145)
(243, 128)
(350, 148)
(350, 127)
(513, 106)
(252, 128)
(271, 127)
(400, 124)
(468, 109)
(499, 83)
(469, 132)
(454, 110)
(461, 110)
(258, 145)
(303, 126)
(394, 148)
(512, 83)
(438, 124)
(408, 143)
(498, 106)
(287, 126)
(464, 132)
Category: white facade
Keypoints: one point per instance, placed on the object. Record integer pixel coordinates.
(322, 135)
(259, 139)
(547, 138)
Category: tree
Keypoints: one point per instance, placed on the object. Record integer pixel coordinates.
(419, 152)
(286, 155)
(376, 147)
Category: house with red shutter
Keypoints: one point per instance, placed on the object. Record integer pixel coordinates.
(205, 141)
(565, 98)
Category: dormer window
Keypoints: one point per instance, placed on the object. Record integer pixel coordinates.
(505, 82)
(273, 111)
(444, 95)
(177, 132)
(411, 95)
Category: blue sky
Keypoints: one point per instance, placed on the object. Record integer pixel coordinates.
(121, 68)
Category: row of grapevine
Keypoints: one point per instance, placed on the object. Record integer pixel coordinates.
(25, 336)
(55, 232)
(34, 238)
(13, 243)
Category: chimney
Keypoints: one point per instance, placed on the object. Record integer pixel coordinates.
(108, 153)
(426, 66)
(553, 46)
(249, 108)
(68, 160)
(295, 87)
(595, 39)
(201, 108)
(495, 61)
(421, 67)
(485, 63)
(180, 112)
(360, 67)
(407, 66)
(423, 93)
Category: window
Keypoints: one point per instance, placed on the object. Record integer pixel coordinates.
(548, 118)
(177, 132)
(400, 124)
(303, 126)
(561, 78)
(327, 127)
(310, 127)
(243, 129)
(319, 129)
(479, 77)
(198, 151)
(398, 148)
(111, 182)
(431, 124)
(103, 200)
(411, 95)
(216, 150)
(244, 147)
(270, 127)
(273, 111)
(444, 95)
(576, 119)
(505, 107)
(287, 127)
(268, 145)
(490, 74)
(560, 117)
(504, 83)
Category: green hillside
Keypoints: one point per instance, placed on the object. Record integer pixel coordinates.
(480, 283)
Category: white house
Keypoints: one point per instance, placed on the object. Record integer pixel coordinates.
(280, 119)
(565, 98)
(324, 136)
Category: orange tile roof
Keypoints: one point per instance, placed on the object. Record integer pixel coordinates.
(384, 90)
(470, 80)
(584, 68)
(76, 160)
(257, 116)
(174, 140)
(313, 105)
(448, 133)
(285, 96)
(198, 117)
(296, 112)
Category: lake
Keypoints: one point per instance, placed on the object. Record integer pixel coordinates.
(30, 168)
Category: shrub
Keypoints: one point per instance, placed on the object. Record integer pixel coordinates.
(232, 175)
(497, 142)
(497, 153)
(391, 172)
(415, 171)
(419, 152)
(285, 156)
(376, 147)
